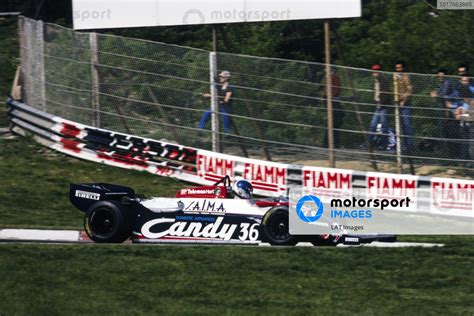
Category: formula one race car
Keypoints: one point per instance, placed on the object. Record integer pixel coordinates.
(206, 214)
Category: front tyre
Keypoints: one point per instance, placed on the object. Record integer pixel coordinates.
(276, 228)
(106, 222)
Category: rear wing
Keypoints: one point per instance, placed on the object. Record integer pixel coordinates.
(82, 196)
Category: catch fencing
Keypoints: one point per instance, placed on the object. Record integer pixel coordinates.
(278, 113)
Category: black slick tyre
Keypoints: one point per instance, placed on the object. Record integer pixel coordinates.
(106, 222)
(276, 228)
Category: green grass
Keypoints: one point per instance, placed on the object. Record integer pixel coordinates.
(134, 279)
(3, 115)
(150, 280)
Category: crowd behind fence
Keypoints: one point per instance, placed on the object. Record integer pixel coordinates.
(278, 110)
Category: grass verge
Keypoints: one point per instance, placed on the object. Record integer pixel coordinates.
(134, 279)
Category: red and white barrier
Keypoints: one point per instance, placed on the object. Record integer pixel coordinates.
(205, 167)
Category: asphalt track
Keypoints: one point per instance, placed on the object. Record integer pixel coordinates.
(80, 237)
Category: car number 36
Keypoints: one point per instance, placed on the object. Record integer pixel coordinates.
(248, 232)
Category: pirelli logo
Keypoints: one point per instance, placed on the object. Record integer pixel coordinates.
(87, 195)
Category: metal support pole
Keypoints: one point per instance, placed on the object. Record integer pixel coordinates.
(23, 63)
(397, 124)
(41, 69)
(330, 133)
(216, 145)
(95, 77)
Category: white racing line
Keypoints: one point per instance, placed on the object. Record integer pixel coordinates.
(373, 244)
(379, 244)
(76, 236)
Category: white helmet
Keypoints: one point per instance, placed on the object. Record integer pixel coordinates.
(243, 189)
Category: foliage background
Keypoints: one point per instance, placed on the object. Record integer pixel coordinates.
(388, 30)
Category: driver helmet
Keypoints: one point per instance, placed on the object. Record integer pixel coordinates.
(243, 189)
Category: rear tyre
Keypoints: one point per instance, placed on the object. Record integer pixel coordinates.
(276, 228)
(106, 222)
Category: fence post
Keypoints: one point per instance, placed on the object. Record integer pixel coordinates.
(95, 77)
(216, 145)
(330, 133)
(40, 61)
(397, 124)
(23, 58)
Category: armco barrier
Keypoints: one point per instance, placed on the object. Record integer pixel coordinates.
(200, 166)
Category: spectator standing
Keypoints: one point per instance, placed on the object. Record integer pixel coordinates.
(464, 104)
(445, 88)
(403, 92)
(448, 125)
(337, 110)
(225, 93)
(383, 102)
